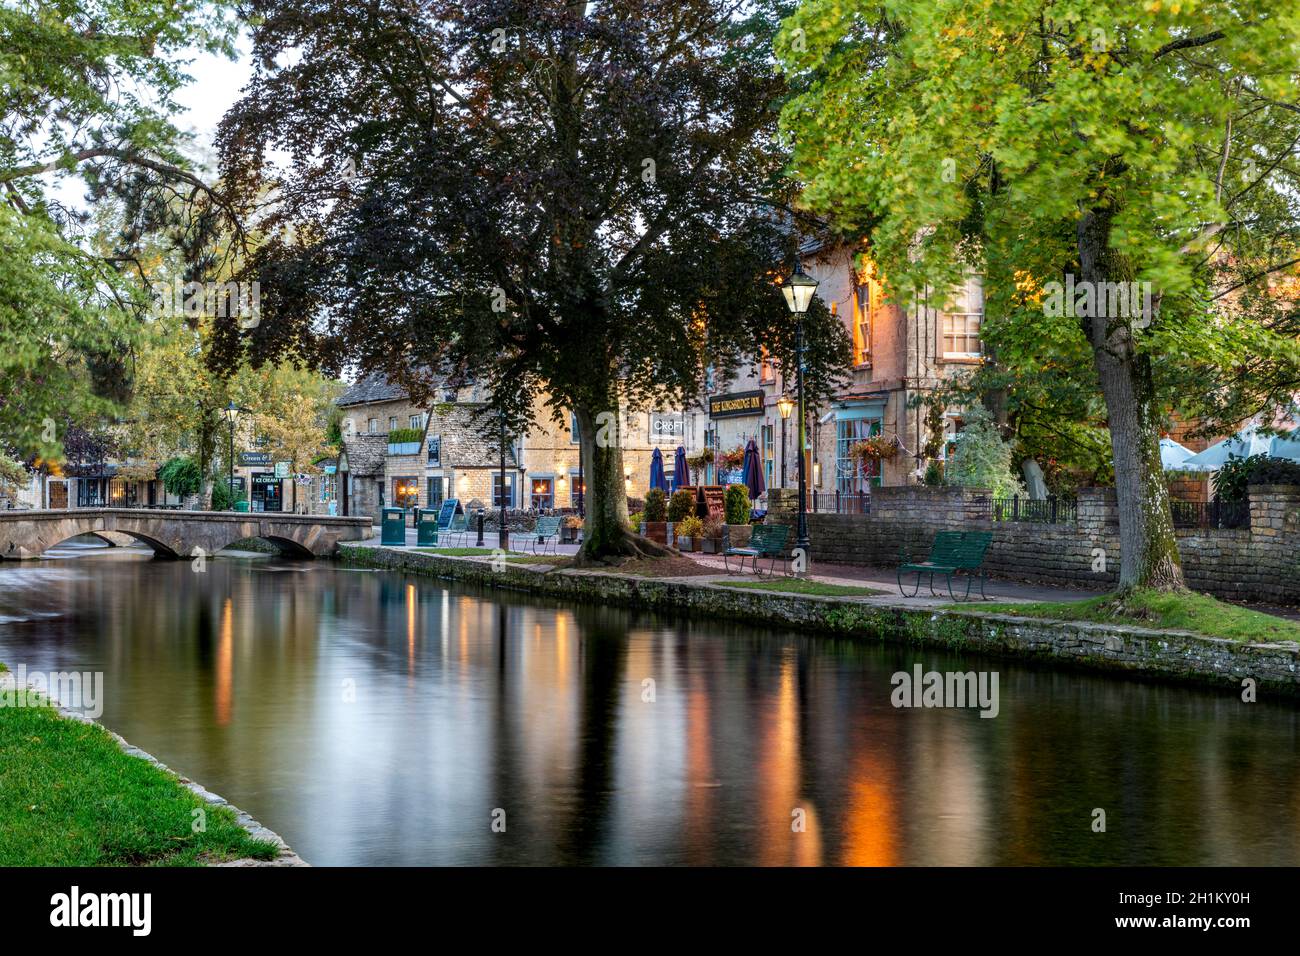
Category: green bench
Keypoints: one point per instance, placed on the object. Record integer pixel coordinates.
(952, 551)
(546, 531)
(766, 541)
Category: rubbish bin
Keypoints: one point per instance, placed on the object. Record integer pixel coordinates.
(426, 524)
(393, 526)
(241, 505)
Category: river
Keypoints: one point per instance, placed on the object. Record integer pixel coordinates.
(372, 718)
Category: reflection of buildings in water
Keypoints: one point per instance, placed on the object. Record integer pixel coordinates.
(225, 664)
(781, 803)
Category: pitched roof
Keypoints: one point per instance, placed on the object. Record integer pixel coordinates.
(366, 453)
(374, 387)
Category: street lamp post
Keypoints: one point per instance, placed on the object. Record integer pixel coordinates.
(231, 411)
(503, 533)
(798, 296)
(785, 405)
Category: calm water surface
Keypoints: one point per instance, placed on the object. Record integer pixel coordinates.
(372, 718)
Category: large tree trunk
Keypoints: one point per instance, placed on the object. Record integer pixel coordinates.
(1148, 548)
(605, 532)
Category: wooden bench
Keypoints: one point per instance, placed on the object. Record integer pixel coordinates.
(766, 541)
(952, 551)
(546, 531)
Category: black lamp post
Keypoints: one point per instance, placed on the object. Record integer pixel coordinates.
(231, 411)
(784, 404)
(503, 533)
(798, 296)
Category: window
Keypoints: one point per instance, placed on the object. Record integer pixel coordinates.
(328, 488)
(498, 498)
(575, 433)
(392, 423)
(449, 395)
(768, 460)
(851, 477)
(435, 492)
(406, 492)
(866, 303)
(543, 494)
(417, 421)
(961, 326)
(575, 490)
(372, 425)
(766, 370)
(347, 426)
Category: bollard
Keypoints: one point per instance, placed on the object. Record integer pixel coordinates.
(479, 542)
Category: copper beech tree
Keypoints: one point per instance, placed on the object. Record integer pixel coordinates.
(576, 200)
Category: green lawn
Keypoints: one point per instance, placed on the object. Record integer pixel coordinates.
(1188, 611)
(458, 552)
(801, 586)
(69, 796)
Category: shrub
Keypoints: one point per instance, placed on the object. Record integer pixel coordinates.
(181, 476)
(656, 505)
(1232, 477)
(736, 504)
(223, 496)
(400, 436)
(981, 459)
(635, 520)
(934, 474)
(691, 527)
(1274, 471)
(713, 527)
(681, 506)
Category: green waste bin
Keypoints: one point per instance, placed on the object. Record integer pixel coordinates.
(393, 526)
(426, 524)
(241, 505)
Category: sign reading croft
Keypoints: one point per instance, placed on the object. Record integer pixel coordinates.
(737, 403)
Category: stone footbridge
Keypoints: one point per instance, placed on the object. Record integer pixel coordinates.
(175, 534)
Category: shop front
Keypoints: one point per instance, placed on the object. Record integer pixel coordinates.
(268, 492)
(734, 419)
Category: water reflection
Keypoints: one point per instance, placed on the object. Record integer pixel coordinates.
(377, 719)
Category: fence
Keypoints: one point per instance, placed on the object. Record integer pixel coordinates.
(827, 502)
(1210, 514)
(1050, 510)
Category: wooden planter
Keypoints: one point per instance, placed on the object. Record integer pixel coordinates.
(656, 531)
(712, 545)
(687, 544)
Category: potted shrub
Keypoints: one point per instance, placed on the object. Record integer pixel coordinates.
(680, 507)
(689, 531)
(405, 441)
(736, 508)
(656, 515)
(570, 528)
(712, 536)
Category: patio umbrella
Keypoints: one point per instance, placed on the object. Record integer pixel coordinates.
(681, 473)
(1245, 443)
(753, 470)
(1172, 454)
(657, 479)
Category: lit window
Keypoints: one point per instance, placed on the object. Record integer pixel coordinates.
(543, 494)
(961, 326)
(406, 492)
(766, 370)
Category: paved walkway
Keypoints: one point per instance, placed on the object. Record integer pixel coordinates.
(879, 579)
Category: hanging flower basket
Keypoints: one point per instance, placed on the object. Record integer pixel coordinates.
(875, 449)
(731, 460)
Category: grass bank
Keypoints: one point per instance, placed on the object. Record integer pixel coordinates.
(69, 796)
(1189, 611)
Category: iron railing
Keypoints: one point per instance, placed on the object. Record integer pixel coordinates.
(1050, 510)
(1210, 514)
(840, 503)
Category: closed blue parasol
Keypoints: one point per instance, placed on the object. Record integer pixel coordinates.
(753, 470)
(657, 479)
(681, 472)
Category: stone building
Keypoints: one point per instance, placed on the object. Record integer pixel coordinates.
(459, 452)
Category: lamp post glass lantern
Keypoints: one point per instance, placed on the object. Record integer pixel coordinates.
(231, 411)
(798, 296)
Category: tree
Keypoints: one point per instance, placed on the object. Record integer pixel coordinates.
(87, 90)
(582, 200)
(1112, 142)
(981, 459)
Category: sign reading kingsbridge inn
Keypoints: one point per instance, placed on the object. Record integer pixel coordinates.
(737, 403)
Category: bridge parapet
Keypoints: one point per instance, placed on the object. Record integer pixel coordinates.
(29, 534)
